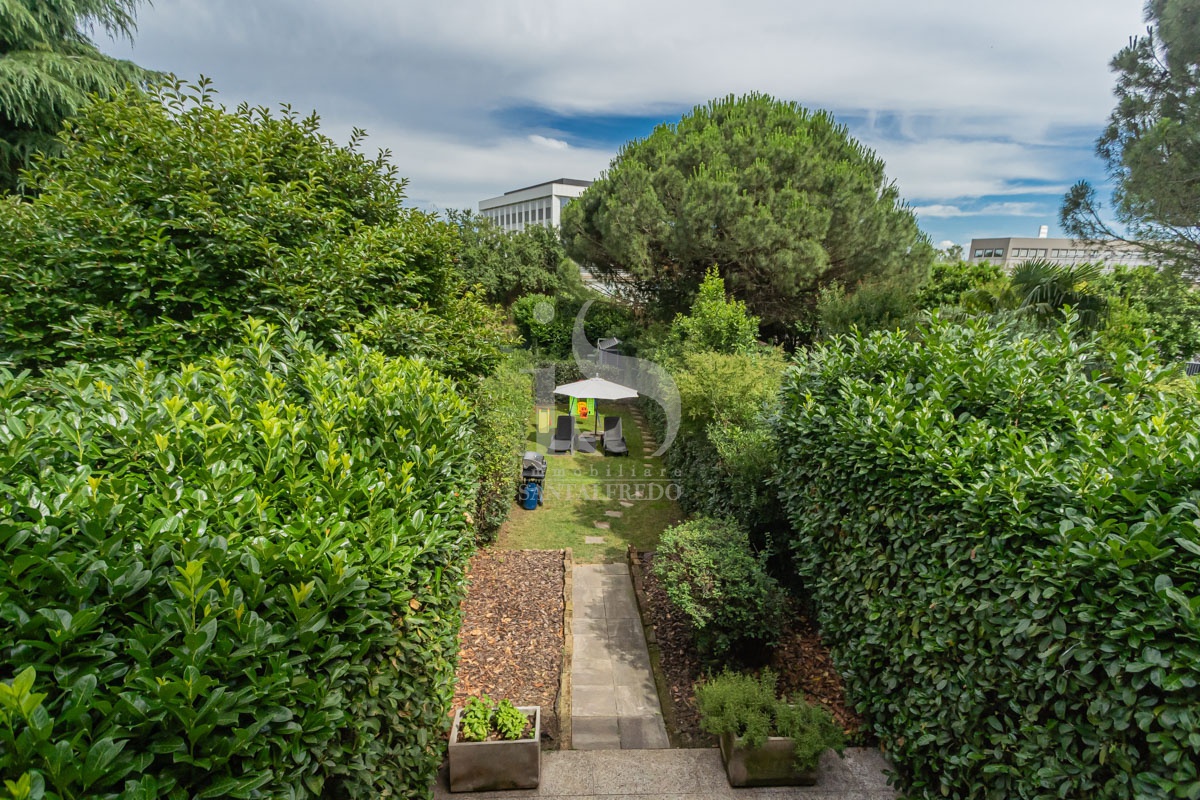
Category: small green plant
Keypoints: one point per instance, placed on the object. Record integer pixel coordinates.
(476, 718)
(508, 721)
(747, 708)
(483, 716)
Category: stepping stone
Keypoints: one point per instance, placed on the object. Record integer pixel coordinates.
(601, 525)
(626, 504)
(639, 494)
(593, 540)
(613, 514)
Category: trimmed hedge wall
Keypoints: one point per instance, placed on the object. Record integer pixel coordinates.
(1003, 544)
(241, 579)
(502, 405)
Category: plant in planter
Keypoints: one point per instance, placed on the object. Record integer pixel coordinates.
(495, 746)
(765, 740)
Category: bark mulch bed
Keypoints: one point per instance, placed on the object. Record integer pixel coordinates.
(511, 643)
(800, 660)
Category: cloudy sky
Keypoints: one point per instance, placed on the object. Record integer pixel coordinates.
(984, 112)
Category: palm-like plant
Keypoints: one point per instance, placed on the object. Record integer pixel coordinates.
(49, 65)
(1046, 289)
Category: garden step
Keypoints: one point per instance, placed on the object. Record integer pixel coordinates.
(694, 774)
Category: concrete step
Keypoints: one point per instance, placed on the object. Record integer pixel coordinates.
(688, 775)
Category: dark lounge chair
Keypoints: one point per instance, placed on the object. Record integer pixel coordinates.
(564, 435)
(614, 439)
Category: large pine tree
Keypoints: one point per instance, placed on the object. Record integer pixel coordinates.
(781, 198)
(1151, 146)
(48, 66)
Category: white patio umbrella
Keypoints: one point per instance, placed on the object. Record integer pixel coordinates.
(596, 388)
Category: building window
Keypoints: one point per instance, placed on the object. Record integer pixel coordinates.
(1000, 252)
(979, 254)
(1041, 253)
(988, 253)
(1054, 254)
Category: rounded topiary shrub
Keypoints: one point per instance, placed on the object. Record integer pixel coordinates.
(713, 576)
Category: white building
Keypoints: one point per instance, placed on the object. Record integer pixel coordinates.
(534, 205)
(1009, 251)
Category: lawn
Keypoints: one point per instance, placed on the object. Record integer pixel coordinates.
(580, 488)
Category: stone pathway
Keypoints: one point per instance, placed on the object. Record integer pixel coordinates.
(687, 775)
(614, 704)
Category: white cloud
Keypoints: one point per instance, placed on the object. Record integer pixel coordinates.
(942, 211)
(547, 142)
(963, 100)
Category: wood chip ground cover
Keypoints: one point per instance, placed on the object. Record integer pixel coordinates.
(511, 643)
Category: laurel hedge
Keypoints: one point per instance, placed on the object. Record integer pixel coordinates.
(1002, 537)
(502, 404)
(238, 579)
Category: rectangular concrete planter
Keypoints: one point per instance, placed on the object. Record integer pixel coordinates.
(491, 766)
(769, 765)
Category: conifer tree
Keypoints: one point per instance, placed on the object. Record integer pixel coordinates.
(783, 199)
(49, 65)
(1151, 147)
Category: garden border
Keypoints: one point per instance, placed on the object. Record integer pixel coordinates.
(563, 706)
(634, 557)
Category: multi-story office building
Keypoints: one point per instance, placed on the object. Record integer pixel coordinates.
(534, 205)
(1010, 251)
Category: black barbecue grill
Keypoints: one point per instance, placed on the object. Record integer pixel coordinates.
(533, 470)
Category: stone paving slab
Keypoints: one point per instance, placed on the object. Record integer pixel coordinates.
(614, 699)
(687, 775)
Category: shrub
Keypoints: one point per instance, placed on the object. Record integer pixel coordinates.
(1161, 301)
(949, 280)
(746, 707)
(510, 265)
(725, 457)
(240, 579)
(465, 339)
(546, 323)
(876, 305)
(1002, 544)
(501, 405)
(167, 218)
(714, 323)
(716, 580)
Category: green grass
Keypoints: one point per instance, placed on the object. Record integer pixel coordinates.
(580, 488)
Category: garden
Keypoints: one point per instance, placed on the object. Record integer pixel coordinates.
(262, 429)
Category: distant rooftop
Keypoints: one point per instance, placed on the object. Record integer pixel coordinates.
(564, 181)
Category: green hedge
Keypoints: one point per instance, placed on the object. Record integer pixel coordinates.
(167, 218)
(1003, 544)
(241, 579)
(502, 405)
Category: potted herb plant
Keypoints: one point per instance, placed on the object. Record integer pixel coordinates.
(495, 746)
(765, 740)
